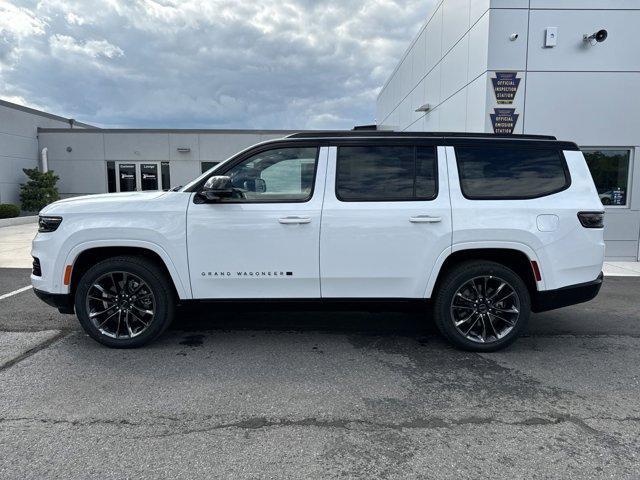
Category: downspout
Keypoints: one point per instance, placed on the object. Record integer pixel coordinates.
(45, 160)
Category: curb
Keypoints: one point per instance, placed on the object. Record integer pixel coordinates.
(10, 222)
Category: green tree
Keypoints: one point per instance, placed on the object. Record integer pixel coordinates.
(39, 191)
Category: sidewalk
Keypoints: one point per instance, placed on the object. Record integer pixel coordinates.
(15, 245)
(15, 248)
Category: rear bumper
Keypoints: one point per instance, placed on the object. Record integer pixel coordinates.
(565, 296)
(62, 301)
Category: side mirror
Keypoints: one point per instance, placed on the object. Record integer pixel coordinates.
(217, 187)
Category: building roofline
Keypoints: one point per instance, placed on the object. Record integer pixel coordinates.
(33, 111)
(187, 130)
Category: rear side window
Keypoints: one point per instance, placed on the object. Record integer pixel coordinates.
(386, 173)
(494, 173)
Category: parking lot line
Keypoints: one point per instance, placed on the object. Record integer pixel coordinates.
(15, 292)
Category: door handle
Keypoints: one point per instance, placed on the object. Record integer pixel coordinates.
(293, 220)
(425, 219)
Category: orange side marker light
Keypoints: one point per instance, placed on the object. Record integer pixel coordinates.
(67, 274)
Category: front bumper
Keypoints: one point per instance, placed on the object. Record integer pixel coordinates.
(565, 296)
(62, 301)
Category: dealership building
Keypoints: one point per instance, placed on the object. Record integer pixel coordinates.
(568, 68)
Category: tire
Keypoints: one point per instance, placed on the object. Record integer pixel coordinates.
(481, 312)
(137, 298)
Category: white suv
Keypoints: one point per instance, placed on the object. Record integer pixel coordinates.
(488, 228)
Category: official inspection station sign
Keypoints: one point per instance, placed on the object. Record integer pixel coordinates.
(505, 87)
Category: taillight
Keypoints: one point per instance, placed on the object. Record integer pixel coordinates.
(591, 219)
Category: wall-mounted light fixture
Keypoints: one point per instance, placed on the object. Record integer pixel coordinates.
(424, 108)
(184, 149)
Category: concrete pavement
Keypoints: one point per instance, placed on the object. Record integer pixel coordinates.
(238, 392)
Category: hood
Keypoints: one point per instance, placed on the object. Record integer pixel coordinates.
(99, 201)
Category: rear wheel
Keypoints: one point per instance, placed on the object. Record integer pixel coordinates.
(124, 302)
(482, 306)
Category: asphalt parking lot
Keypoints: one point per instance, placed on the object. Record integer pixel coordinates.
(237, 392)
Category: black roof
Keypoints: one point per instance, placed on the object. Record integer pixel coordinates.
(391, 133)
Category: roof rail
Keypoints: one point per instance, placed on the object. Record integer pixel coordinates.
(391, 133)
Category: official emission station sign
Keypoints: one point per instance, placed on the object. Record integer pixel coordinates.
(505, 88)
(504, 120)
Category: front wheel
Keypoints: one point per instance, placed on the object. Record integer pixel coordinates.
(124, 302)
(482, 306)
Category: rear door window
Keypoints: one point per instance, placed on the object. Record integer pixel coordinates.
(386, 173)
(493, 173)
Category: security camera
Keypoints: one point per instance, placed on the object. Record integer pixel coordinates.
(598, 37)
(513, 37)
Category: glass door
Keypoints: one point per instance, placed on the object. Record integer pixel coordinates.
(132, 177)
(127, 177)
(149, 176)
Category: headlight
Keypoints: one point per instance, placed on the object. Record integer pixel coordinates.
(48, 224)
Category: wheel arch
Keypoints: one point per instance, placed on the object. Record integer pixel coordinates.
(517, 257)
(85, 255)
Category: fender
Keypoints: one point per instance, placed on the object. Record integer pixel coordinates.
(521, 247)
(183, 291)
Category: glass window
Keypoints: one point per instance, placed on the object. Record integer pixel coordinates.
(488, 172)
(111, 177)
(283, 174)
(610, 172)
(205, 166)
(166, 175)
(372, 173)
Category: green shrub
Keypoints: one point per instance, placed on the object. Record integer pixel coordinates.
(39, 191)
(9, 210)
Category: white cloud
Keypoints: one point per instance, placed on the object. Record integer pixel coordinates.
(63, 44)
(208, 63)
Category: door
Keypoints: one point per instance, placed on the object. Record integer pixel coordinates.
(127, 177)
(386, 220)
(264, 241)
(149, 178)
(134, 177)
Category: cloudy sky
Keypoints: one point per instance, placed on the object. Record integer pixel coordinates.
(204, 63)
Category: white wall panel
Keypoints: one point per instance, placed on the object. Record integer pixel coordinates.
(434, 40)
(454, 68)
(84, 146)
(453, 113)
(477, 118)
(512, 3)
(433, 87)
(505, 54)
(455, 22)
(586, 4)
(185, 140)
(478, 47)
(477, 9)
(18, 146)
(620, 52)
(419, 57)
(136, 146)
(589, 108)
(91, 180)
(432, 121)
